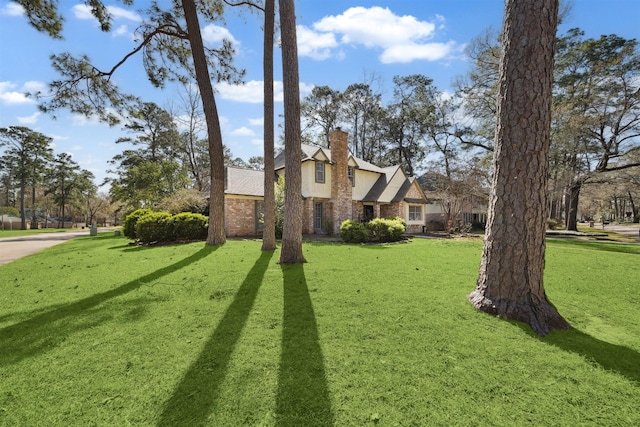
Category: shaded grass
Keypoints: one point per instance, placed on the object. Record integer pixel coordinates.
(95, 332)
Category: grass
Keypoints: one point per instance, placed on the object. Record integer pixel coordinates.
(97, 332)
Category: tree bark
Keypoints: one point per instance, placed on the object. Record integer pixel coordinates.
(216, 233)
(269, 229)
(510, 281)
(291, 252)
(572, 200)
(634, 208)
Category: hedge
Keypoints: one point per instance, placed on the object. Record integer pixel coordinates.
(155, 227)
(190, 226)
(130, 221)
(378, 229)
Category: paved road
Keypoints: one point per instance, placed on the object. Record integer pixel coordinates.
(626, 230)
(12, 248)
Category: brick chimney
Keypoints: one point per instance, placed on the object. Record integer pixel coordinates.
(341, 189)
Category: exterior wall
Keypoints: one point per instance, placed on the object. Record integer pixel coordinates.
(364, 181)
(414, 193)
(357, 211)
(240, 216)
(391, 210)
(307, 216)
(311, 188)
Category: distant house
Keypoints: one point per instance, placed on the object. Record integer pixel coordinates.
(336, 186)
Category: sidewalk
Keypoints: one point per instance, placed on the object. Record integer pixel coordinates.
(12, 248)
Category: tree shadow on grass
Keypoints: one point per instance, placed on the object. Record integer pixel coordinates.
(196, 395)
(48, 329)
(626, 248)
(303, 394)
(612, 357)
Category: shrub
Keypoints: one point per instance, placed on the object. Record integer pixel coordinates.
(155, 227)
(386, 230)
(401, 220)
(130, 221)
(9, 210)
(552, 223)
(190, 226)
(353, 232)
(185, 200)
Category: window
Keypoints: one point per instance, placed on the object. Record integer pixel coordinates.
(415, 212)
(351, 172)
(320, 172)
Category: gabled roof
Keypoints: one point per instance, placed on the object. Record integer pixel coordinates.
(402, 194)
(307, 152)
(245, 182)
(313, 152)
(381, 184)
(250, 182)
(364, 165)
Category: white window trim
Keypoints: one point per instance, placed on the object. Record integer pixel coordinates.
(421, 211)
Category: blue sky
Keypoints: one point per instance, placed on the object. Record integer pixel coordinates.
(340, 42)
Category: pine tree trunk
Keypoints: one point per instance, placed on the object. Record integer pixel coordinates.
(291, 252)
(216, 234)
(269, 229)
(510, 281)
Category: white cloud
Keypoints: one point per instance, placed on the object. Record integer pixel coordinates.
(77, 148)
(410, 52)
(29, 120)
(123, 30)
(305, 89)
(315, 44)
(256, 141)
(252, 91)
(214, 35)
(257, 122)
(58, 137)
(243, 131)
(401, 38)
(12, 97)
(34, 86)
(12, 9)
(82, 11)
(120, 13)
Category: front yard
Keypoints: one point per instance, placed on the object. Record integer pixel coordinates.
(97, 332)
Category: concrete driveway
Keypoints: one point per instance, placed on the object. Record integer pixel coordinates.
(12, 248)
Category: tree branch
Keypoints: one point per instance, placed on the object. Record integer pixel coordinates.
(243, 3)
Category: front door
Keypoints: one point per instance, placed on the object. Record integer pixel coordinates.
(368, 213)
(317, 217)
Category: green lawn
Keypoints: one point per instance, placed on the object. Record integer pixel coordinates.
(97, 332)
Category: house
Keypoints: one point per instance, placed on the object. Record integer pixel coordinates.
(336, 186)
